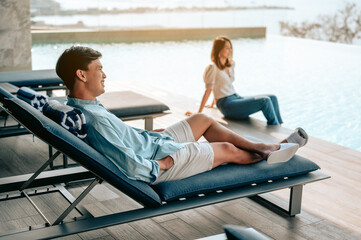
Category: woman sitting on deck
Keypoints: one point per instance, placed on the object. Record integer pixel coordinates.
(219, 76)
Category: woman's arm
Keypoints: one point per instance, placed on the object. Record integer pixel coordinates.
(203, 102)
(212, 104)
(209, 79)
(205, 99)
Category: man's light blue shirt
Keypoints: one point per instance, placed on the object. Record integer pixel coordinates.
(134, 151)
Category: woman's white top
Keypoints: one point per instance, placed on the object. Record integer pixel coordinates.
(219, 80)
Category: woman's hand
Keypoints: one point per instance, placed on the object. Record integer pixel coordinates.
(212, 105)
(203, 103)
(188, 113)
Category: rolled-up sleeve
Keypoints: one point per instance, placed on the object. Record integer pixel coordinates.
(209, 76)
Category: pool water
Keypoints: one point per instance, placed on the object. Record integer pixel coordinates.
(318, 84)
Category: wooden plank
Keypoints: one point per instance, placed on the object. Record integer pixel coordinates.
(324, 231)
(11, 210)
(217, 215)
(121, 204)
(152, 230)
(201, 223)
(164, 218)
(102, 193)
(95, 234)
(258, 222)
(125, 231)
(71, 237)
(181, 229)
(12, 225)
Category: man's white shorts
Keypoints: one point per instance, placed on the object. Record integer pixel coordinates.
(194, 158)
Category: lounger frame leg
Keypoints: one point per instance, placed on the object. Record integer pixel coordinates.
(47, 163)
(51, 165)
(65, 161)
(295, 200)
(148, 123)
(294, 205)
(36, 174)
(49, 92)
(57, 188)
(32, 178)
(79, 198)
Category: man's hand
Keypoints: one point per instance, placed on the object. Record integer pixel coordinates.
(157, 130)
(165, 163)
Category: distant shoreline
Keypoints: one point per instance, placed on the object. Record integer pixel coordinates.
(95, 11)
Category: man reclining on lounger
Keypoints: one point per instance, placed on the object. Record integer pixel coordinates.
(165, 154)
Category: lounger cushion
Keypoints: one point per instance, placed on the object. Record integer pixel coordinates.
(55, 135)
(231, 175)
(32, 78)
(127, 103)
(4, 94)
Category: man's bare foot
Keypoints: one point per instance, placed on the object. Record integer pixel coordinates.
(264, 149)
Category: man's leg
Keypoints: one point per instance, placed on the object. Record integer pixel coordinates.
(202, 125)
(228, 153)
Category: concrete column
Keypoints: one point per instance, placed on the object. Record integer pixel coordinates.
(15, 35)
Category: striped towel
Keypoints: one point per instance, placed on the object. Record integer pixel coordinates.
(35, 99)
(68, 117)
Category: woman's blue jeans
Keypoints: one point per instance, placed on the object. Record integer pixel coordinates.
(237, 107)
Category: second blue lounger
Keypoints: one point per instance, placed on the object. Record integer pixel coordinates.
(35, 79)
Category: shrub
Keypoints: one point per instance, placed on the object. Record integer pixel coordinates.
(344, 26)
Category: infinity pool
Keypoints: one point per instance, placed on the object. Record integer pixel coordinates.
(318, 83)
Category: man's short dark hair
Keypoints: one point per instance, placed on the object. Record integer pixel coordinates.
(72, 59)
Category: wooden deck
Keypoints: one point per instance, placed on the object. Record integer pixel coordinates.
(330, 208)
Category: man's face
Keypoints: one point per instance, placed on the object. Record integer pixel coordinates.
(95, 78)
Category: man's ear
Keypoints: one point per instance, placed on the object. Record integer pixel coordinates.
(80, 75)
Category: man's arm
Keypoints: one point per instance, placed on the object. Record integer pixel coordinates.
(106, 141)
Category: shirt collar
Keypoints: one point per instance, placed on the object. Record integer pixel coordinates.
(82, 102)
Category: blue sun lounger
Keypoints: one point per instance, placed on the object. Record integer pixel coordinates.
(223, 183)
